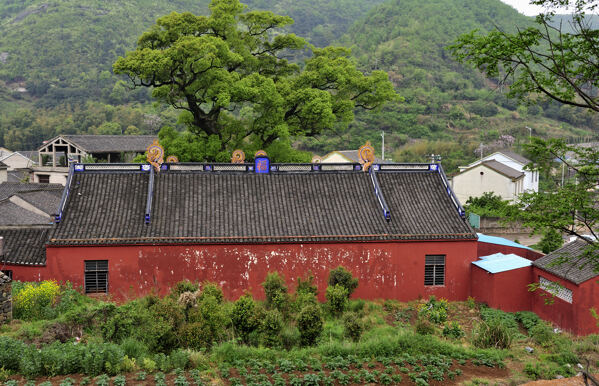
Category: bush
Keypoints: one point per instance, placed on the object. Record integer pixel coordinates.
(183, 286)
(424, 327)
(206, 325)
(211, 289)
(337, 299)
(343, 277)
(302, 299)
(492, 334)
(353, 327)
(310, 324)
(10, 352)
(434, 310)
(306, 285)
(507, 319)
(166, 318)
(453, 330)
(34, 301)
(243, 316)
(271, 327)
(276, 292)
(542, 334)
(290, 337)
(134, 348)
(528, 319)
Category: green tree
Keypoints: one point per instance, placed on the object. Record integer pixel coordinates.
(227, 72)
(541, 60)
(551, 241)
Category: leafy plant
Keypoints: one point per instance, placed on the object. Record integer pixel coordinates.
(310, 324)
(492, 334)
(337, 298)
(434, 310)
(344, 278)
(453, 330)
(353, 326)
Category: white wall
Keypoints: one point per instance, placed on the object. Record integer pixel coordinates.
(531, 178)
(472, 183)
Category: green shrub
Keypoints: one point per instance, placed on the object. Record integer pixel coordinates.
(148, 365)
(211, 289)
(34, 301)
(434, 310)
(206, 326)
(244, 318)
(271, 327)
(353, 327)
(542, 334)
(337, 299)
(424, 327)
(183, 286)
(357, 305)
(302, 299)
(453, 330)
(134, 348)
(527, 318)
(179, 359)
(306, 285)
(276, 292)
(310, 324)
(492, 334)
(10, 352)
(507, 319)
(161, 333)
(343, 277)
(290, 337)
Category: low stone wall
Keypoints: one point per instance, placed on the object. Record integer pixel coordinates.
(5, 298)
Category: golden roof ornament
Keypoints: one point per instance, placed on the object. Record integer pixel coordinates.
(366, 155)
(155, 152)
(172, 159)
(316, 160)
(260, 153)
(238, 157)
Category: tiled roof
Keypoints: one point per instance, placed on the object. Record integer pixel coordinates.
(213, 207)
(24, 246)
(516, 157)
(31, 154)
(503, 169)
(13, 214)
(4, 278)
(111, 143)
(570, 262)
(45, 200)
(18, 176)
(7, 189)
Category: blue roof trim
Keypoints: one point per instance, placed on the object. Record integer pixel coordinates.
(499, 262)
(482, 238)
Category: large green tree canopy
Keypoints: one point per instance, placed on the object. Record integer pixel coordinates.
(229, 75)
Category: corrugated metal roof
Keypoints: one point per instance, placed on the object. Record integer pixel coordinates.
(482, 238)
(499, 262)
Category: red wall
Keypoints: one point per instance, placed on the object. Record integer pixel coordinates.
(486, 249)
(385, 270)
(507, 291)
(575, 317)
(483, 286)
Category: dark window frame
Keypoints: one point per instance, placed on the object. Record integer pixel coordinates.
(7, 272)
(43, 178)
(434, 270)
(95, 276)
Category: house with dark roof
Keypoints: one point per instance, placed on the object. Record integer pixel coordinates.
(488, 176)
(55, 155)
(513, 163)
(568, 278)
(128, 230)
(345, 156)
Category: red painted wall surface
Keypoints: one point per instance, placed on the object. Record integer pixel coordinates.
(486, 249)
(27, 272)
(507, 291)
(575, 317)
(483, 286)
(385, 270)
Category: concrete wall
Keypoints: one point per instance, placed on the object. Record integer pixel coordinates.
(385, 270)
(471, 183)
(17, 161)
(531, 178)
(5, 302)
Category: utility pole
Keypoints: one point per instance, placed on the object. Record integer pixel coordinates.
(383, 145)
(529, 133)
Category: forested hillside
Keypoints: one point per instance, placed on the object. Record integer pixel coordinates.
(56, 75)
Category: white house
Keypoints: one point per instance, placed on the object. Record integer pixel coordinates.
(488, 176)
(514, 161)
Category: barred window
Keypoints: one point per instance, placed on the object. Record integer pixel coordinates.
(434, 270)
(96, 276)
(556, 289)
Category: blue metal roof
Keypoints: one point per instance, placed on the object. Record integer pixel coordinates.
(499, 262)
(500, 241)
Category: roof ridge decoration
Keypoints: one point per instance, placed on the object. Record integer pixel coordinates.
(65, 194)
(238, 157)
(379, 194)
(261, 162)
(155, 154)
(366, 154)
(172, 159)
(316, 160)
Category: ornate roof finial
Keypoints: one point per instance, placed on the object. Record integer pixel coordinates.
(172, 159)
(155, 154)
(238, 157)
(316, 159)
(366, 155)
(260, 153)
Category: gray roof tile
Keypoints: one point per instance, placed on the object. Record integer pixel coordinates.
(503, 169)
(13, 214)
(212, 207)
(112, 143)
(7, 189)
(571, 262)
(24, 246)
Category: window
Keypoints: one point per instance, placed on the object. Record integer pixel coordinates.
(7, 273)
(434, 270)
(96, 276)
(43, 178)
(556, 289)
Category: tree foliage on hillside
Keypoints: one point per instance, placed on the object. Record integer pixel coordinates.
(228, 74)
